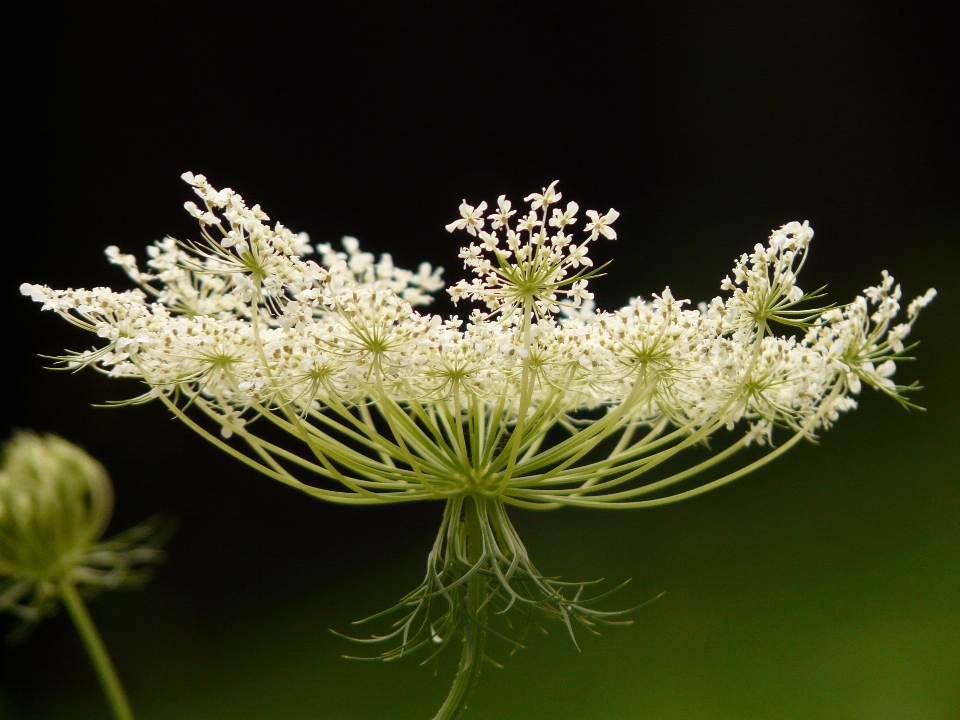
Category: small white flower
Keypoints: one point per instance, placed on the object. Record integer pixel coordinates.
(919, 303)
(490, 241)
(578, 293)
(577, 256)
(471, 218)
(548, 196)
(567, 217)
(529, 222)
(600, 224)
(503, 214)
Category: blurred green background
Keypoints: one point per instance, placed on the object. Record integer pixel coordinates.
(824, 587)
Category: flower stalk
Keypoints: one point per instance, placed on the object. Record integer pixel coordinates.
(474, 625)
(97, 651)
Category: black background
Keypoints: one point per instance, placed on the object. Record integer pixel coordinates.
(704, 124)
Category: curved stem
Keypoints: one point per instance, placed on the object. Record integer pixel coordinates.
(96, 650)
(474, 633)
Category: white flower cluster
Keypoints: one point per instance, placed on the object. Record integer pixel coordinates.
(532, 401)
(535, 266)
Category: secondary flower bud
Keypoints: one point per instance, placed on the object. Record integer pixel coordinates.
(55, 504)
(55, 500)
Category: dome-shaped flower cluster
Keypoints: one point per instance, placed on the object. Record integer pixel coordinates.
(534, 400)
(394, 404)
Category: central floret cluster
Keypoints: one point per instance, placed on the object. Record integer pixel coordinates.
(535, 267)
(535, 400)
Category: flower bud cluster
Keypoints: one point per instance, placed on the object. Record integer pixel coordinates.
(55, 504)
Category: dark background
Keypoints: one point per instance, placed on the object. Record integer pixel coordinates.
(825, 586)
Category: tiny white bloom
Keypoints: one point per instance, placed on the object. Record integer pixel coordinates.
(471, 218)
(600, 224)
(548, 196)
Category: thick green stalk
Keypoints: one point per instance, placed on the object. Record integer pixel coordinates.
(474, 634)
(97, 651)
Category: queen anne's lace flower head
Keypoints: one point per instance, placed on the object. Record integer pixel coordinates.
(534, 399)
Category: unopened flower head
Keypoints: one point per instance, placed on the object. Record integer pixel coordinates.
(55, 504)
(534, 399)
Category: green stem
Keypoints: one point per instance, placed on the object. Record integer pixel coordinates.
(474, 634)
(97, 651)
